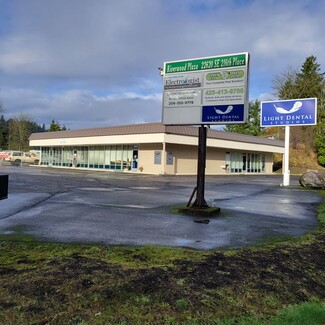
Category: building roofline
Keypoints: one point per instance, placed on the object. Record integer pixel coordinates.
(150, 128)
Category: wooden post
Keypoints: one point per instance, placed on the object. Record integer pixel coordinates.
(201, 161)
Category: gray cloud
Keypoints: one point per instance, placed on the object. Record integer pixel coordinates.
(78, 61)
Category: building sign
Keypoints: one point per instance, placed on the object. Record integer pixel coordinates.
(211, 90)
(289, 112)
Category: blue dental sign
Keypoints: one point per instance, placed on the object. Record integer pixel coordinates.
(289, 112)
(223, 113)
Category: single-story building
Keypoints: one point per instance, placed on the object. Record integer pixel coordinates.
(155, 148)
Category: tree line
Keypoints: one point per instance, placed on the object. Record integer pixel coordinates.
(15, 131)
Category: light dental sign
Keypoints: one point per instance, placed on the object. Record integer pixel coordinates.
(293, 112)
(212, 90)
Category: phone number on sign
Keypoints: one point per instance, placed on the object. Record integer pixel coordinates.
(224, 91)
(181, 102)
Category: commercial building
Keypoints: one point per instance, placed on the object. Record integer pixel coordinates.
(155, 148)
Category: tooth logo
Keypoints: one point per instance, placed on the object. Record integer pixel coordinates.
(296, 107)
(228, 110)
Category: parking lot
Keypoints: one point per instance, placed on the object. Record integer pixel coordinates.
(72, 205)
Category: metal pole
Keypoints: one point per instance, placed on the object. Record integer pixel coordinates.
(200, 201)
(286, 171)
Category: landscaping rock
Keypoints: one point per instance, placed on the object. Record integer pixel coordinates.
(313, 179)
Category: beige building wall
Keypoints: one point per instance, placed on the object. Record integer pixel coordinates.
(147, 158)
(268, 163)
(215, 162)
(177, 159)
(185, 159)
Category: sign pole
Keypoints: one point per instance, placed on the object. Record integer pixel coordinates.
(286, 171)
(201, 161)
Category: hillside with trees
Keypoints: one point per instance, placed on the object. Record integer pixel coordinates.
(307, 143)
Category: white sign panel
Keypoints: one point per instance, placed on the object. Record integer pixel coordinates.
(185, 98)
(211, 90)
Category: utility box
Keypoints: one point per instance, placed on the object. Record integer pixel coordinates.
(4, 186)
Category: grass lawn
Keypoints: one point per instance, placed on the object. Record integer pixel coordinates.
(277, 284)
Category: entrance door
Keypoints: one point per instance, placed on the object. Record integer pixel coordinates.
(244, 163)
(135, 159)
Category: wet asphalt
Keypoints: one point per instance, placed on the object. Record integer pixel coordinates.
(108, 208)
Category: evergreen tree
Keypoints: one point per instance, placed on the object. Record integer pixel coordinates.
(4, 131)
(310, 81)
(252, 127)
(55, 126)
(312, 84)
(320, 134)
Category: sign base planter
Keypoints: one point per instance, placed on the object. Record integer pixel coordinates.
(200, 212)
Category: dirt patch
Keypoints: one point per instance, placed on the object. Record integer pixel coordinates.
(247, 282)
(294, 274)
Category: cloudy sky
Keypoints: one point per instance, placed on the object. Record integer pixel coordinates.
(95, 63)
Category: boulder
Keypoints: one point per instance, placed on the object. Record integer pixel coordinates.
(313, 180)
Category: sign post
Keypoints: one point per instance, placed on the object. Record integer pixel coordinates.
(286, 171)
(205, 91)
(200, 200)
(293, 112)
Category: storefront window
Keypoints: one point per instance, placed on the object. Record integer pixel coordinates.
(45, 156)
(109, 157)
(237, 162)
(83, 156)
(118, 159)
(127, 157)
